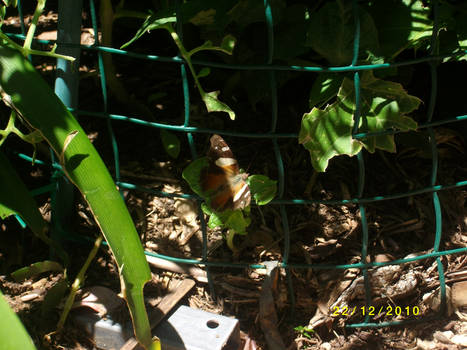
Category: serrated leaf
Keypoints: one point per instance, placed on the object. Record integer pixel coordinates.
(153, 21)
(171, 143)
(214, 105)
(384, 105)
(262, 188)
(328, 133)
(325, 87)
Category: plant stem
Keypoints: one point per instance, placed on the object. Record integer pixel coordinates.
(229, 240)
(25, 52)
(32, 28)
(186, 55)
(78, 281)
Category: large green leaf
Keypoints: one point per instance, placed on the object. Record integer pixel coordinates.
(384, 105)
(26, 92)
(401, 24)
(332, 30)
(12, 331)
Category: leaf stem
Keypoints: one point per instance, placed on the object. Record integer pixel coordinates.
(32, 28)
(78, 281)
(186, 55)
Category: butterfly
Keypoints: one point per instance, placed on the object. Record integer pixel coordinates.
(222, 181)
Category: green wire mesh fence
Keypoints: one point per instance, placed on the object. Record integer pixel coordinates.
(273, 135)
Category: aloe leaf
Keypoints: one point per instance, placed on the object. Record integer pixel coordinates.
(16, 199)
(12, 331)
(36, 269)
(34, 100)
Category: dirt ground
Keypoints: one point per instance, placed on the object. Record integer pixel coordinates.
(313, 315)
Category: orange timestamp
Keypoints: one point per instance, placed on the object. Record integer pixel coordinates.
(387, 310)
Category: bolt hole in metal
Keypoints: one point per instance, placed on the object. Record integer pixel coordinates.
(212, 324)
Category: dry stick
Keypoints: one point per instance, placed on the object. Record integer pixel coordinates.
(267, 310)
(77, 282)
(199, 274)
(107, 17)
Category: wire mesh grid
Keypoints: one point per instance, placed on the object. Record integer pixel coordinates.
(273, 135)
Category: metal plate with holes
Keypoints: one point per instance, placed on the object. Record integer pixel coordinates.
(193, 329)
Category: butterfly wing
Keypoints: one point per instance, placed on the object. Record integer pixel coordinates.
(222, 181)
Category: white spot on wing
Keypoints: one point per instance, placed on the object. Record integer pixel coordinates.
(220, 162)
(240, 193)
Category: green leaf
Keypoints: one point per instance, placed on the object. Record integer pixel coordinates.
(236, 220)
(53, 297)
(226, 46)
(204, 72)
(13, 3)
(171, 143)
(12, 331)
(2, 14)
(262, 188)
(86, 170)
(327, 133)
(211, 14)
(401, 25)
(204, 17)
(154, 21)
(214, 105)
(246, 12)
(16, 199)
(192, 174)
(453, 33)
(324, 88)
(290, 33)
(332, 29)
(36, 269)
(384, 105)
